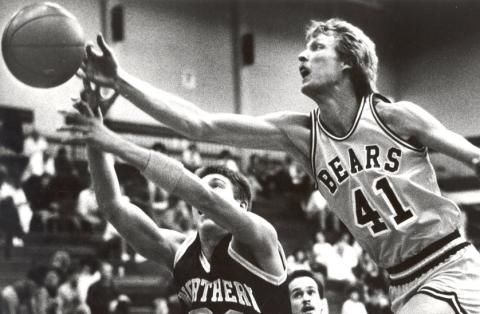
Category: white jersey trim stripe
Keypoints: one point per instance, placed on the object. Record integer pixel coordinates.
(352, 129)
(313, 143)
(270, 278)
(387, 130)
(449, 297)
(183, 247)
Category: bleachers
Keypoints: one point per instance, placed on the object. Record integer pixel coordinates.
(142, 282)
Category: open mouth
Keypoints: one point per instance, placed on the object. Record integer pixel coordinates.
(304, 72)
(308, 308)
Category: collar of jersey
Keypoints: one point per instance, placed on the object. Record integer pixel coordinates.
(205, 263)
(352, 129)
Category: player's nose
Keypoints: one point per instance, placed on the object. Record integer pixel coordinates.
(302, 57)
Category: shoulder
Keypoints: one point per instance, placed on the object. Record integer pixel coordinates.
(184, 246)
(296, 127)
(390, 111)
(401, 115)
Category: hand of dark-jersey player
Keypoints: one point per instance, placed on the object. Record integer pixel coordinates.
(85, 124)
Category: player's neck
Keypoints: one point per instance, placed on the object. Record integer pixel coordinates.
(338, 108)
(208, 243)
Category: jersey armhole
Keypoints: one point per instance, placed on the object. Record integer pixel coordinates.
(270, 278)
(183, 248)
(388, 130)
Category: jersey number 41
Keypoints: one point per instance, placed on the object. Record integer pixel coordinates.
(368, 217)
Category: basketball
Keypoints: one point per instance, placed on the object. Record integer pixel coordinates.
(43, 45)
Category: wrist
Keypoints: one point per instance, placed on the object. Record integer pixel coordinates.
(118, 79)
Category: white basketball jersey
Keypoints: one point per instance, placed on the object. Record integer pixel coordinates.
(383, 188)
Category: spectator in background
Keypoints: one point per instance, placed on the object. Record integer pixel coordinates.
(38, 195)
(9, 219)
(26, 295)
(316, 209)
(225, 158)
(69, 293)
(323, 252)
(299, 260)
(23, 207)
(191, 158)
(121, 305)
(35, 147)
(252, 175)
(102, 294)
(61, 262)
(378, 302)
(91, 219)
(292, 180)
(344, 260)
(87, 276)
(52, 283)
(353, 305)
(160, 306)
(306, 293)
(64, 188)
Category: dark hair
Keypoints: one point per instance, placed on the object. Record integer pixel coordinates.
(353, 47)
(241, 187)
(306, 273)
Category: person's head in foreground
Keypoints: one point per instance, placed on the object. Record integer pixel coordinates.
(337, 50)
(231, 185)
(305, 292)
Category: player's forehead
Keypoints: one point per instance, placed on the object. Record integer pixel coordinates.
(327, 39)
(302, 283)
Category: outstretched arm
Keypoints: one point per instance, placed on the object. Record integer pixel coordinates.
(132, 223)
(247, 228)
(157, 244)
(266, 132)
(411, 121)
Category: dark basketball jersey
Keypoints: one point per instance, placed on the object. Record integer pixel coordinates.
(229, 284)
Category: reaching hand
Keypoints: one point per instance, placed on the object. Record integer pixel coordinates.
(85, 126)
(100, 69)
(95, 99)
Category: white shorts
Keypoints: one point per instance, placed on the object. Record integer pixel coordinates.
(456, 280)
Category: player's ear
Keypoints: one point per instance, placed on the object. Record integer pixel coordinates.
(345, 66)
(244, 205)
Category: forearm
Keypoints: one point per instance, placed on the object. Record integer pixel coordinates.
(176, 113)
(130, 221)
(104, 177)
